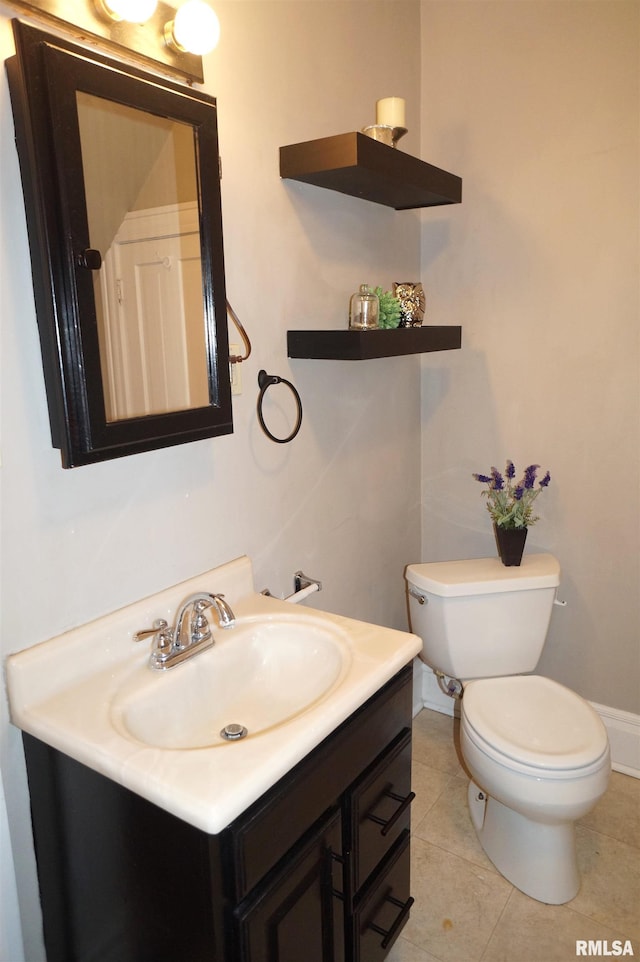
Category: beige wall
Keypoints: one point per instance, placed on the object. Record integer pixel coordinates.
(535, 105)
(530, 103)
(342, 501)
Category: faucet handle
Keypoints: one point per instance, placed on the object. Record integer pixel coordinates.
(162, 645)
(226, 616)
(159, 626)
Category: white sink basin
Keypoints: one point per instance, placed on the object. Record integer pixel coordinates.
(259, 674)
(290, 675)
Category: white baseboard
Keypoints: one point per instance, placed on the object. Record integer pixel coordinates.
(623, 727)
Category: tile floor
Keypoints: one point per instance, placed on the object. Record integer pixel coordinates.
(465, 911)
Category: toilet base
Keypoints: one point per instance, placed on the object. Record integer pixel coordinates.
(539, 859)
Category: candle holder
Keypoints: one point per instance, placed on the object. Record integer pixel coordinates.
(384, 133)
(381, 132)
(398, 132)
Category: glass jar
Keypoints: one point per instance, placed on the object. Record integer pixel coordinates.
(364, 309)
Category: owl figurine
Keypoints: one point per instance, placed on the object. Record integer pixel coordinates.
(412, 302)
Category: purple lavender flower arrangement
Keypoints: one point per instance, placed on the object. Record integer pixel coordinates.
(510, 503)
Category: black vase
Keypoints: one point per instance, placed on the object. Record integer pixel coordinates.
(510, 542)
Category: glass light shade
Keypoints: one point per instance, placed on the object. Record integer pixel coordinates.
(196, 27)
(133, 11)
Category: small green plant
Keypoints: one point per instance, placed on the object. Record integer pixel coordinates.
(389, 316)
(510, 504)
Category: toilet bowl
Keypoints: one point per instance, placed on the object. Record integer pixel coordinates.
(541, 756)
(538, 754)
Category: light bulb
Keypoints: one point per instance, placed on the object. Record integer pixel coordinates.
(195, 29)
(133, 11)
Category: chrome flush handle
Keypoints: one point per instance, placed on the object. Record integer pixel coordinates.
(420, 598)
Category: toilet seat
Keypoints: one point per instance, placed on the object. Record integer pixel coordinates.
(534, 725)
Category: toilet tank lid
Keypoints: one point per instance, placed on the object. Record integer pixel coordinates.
(483, 576)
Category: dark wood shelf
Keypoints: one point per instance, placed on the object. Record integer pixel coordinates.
(349, 345)
(356, 165)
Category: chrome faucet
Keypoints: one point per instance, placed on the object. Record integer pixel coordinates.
(191, 633)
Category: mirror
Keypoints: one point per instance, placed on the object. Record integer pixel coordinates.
(120, 173)
(141, 190)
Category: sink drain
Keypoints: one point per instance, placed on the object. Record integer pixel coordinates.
(233, 732)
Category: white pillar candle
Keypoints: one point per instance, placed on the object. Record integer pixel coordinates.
(390, 112)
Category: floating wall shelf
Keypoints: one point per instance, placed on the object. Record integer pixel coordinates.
(348, 345)
(356, 165)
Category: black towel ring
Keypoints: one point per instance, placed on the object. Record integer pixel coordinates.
(265, 381)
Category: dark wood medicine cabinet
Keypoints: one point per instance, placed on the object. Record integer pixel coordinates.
(120, 176)
(355, 165)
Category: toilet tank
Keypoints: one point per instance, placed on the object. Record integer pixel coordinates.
(480, 619)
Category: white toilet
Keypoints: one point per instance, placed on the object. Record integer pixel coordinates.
(537, 752)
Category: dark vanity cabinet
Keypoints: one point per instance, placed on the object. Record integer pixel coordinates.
(316, 870)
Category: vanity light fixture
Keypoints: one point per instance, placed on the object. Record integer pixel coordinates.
(152, 33)
(132, 11)
(195, 28)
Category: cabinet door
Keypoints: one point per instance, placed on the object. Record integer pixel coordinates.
(298, 912)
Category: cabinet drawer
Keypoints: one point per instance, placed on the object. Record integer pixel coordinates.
(380, 806)
(385, 907)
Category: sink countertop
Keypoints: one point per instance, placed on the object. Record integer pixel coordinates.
(62, 692)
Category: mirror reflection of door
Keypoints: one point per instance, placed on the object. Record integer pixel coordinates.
(142, 207)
